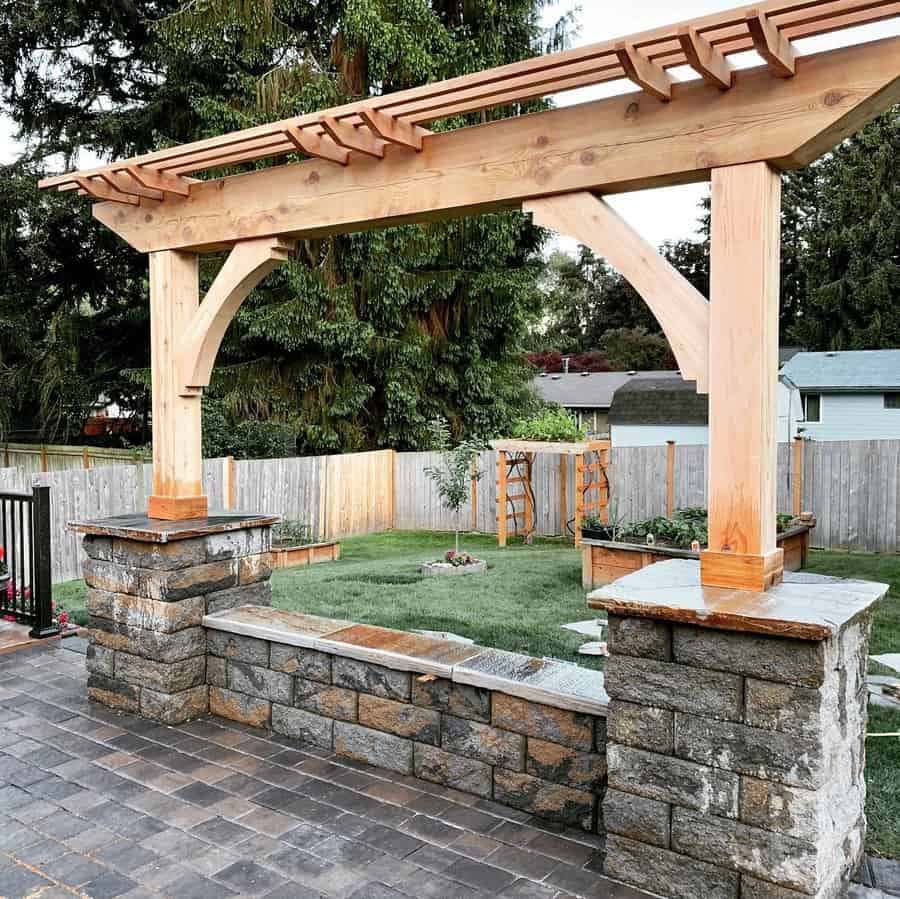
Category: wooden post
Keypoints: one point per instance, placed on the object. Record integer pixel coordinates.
(670, 478)
(579, 496)
(85, 457)
(228, 483)
(563, 492)
(744, 283)
(797, 476)
(43, 457)
(392, 489)
(177, 455)
(473, 494)
(501, 498)
(528, 511)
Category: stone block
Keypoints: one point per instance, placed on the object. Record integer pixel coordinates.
(751, 888)
(601, 733)
(148, 644)
(261, 682)
(682, 688)
(543, 721)
(239, 707)
(749, 850)
(787, 708)
(167, 586)
(483, 742)
(673, 780)
(400, 718)
(545, 799)
(324, 699)
(216, 673)
(159, 556)
(246, 542)
(666, 873)
(255, 594)
(777, 807)
(305, 663)
(164, 677)
(239, 648)
(642, 726)
(99, 660)
(257, 567)
(303, 726)
(440, 767)
(373, 747)
(367, 678)
(645, 820)
(460, 700)
(174, 708)
(149, 614)
(641, 637)
(800, 662)
(562, 764)
(113, 693)
(764, 754)
(97, 547)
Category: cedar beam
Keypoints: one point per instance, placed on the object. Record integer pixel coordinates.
(359, 139)
(124, 183)
(705, 59)
(772, 45)
(168, 184)
(647, 75)
(315, 145)
(103, 191)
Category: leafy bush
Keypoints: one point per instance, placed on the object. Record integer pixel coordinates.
(553, 424)
(244, 438)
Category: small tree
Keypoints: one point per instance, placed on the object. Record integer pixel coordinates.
(458, 468)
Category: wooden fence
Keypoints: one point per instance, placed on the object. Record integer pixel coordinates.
(852, 488)
(41, 457)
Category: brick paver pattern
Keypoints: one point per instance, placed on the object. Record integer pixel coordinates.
(104, 804)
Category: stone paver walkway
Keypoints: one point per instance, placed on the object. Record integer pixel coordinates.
(103, 804)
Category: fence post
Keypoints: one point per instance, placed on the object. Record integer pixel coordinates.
(228, 483)
(85, 457)
(563, 493)
(797, 476)
(473, 493)
(670, 478)
(42, 583)
(43, 457)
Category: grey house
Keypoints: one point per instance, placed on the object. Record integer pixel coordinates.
(588, 396)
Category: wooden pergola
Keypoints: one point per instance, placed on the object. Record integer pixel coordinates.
(374, 163)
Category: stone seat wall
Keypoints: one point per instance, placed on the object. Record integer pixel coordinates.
(524, 732)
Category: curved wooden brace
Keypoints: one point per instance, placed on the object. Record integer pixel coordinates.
(247, 264)
(681, 310)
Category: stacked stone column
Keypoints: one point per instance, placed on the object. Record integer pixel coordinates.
(146, 602)
(736, 760)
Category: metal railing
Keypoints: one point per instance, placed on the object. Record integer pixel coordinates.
(26, 588)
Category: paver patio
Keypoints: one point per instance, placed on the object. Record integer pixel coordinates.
(106, 804)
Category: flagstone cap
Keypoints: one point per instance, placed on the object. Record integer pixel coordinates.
(806, 606)
(545, 681)
(157, 530)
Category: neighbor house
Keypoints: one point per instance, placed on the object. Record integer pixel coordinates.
(847, 395)
(587, 396)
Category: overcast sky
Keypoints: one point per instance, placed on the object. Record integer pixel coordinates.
(663, 214)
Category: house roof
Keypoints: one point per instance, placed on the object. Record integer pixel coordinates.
(659, 401)
(590, 390)
(853, 370)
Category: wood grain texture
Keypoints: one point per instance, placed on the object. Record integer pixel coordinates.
(745, 247)
(622, 143)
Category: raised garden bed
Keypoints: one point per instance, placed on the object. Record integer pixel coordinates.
(605, 560)
(306, 554)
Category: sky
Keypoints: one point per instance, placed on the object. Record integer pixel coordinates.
(666, 213)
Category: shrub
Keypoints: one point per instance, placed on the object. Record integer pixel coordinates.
(553, 424)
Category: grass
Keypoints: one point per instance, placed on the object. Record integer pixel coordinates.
(521, 601)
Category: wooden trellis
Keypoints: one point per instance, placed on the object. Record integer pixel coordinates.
(516, 498)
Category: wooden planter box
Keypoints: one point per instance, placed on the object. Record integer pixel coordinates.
(603, 561)
(307, 554)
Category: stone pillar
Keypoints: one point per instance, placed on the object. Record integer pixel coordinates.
(736, 755)
(149, 584)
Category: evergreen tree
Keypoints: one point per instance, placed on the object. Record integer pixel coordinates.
(851, 257)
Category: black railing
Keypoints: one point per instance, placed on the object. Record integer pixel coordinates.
(26, 588)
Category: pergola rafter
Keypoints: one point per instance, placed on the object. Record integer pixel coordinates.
(374, 163)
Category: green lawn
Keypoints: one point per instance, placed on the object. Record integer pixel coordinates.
(520, 603)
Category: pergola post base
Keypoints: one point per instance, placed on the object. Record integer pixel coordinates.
(742, 571)
(177, 508)
(736, 734)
